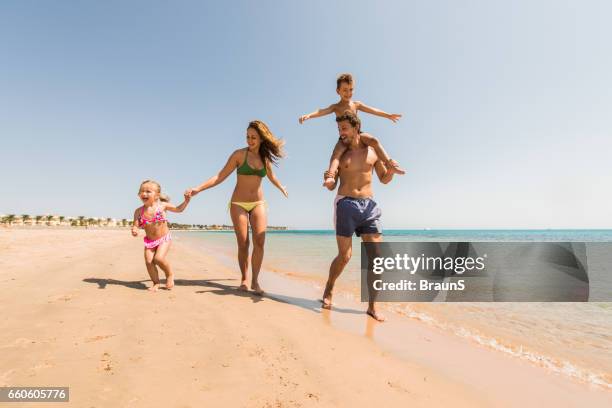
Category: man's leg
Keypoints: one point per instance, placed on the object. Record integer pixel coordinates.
(345, 249)
(372, 295)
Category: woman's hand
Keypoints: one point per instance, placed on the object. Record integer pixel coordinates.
(284, 191)
(134, 231)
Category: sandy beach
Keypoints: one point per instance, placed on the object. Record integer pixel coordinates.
(77, 314)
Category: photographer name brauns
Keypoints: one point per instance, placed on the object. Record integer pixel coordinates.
(423, 284)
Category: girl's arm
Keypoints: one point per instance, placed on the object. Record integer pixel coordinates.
(317, 113)
(373, 111)
(230, 166)
(135, 223)
(274, 180)
(180, 207)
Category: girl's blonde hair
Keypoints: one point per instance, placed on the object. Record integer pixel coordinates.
(271, 148)
(162, 197)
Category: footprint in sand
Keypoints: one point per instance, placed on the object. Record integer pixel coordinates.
(96, 338)
(106, 363)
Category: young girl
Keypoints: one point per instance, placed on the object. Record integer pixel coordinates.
(152, 218)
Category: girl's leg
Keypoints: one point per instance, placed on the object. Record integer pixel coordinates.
(149, 254)
(240, 219)
(334, 163)
(161, 260)
(258, 226)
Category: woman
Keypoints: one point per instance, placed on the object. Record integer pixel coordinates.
(247, 204)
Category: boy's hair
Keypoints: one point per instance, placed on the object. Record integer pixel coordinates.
(351, 118)
(162, 197)
(346, 77)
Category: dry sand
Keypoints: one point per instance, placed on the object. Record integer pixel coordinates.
(76, 313)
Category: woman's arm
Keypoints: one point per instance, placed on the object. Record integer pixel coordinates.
(230, 166)
(274, 180)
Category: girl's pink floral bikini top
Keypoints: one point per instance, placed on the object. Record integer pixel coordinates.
(158, 217)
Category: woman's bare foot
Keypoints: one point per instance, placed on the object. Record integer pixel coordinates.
(154, 288)
(170, 281)
(375, 315)
(257, 289)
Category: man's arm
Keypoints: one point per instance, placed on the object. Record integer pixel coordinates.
(317, 113)
(384, 175)
(373, 111)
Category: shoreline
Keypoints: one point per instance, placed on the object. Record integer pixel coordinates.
(91, 325)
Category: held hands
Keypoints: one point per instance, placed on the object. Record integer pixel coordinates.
(190, 192)
(303, 118)
(394, 117)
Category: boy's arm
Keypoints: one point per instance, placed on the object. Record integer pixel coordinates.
(317, 113)
(373, 111)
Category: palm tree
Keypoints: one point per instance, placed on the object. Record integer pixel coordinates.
(90, 221)
(9, 218)
(124, 222)
(81, 220)
(25, 217)
(61, 218)
(38, 218)
(49, 219)
(108, 221)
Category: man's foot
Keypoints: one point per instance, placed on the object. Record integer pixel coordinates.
(170, 281)
(394, 167)
(257, 289)
(375, 315)
(329, 183)
(154, 288)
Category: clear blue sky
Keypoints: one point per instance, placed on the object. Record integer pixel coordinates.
(507, 105)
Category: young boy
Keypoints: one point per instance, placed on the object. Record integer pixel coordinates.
(344, 88)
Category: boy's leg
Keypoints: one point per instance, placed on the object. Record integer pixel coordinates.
(373, 142)
(149, 255)
(334, 163)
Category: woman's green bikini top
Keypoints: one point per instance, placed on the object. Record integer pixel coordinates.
(247, 170)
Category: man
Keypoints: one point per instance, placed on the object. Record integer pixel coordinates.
(355, 210)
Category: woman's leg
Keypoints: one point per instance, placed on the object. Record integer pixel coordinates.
(258, 226)
(161, 261)
(240, 219)
(149, 254)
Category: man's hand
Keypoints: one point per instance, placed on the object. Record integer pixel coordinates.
(303, 118)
